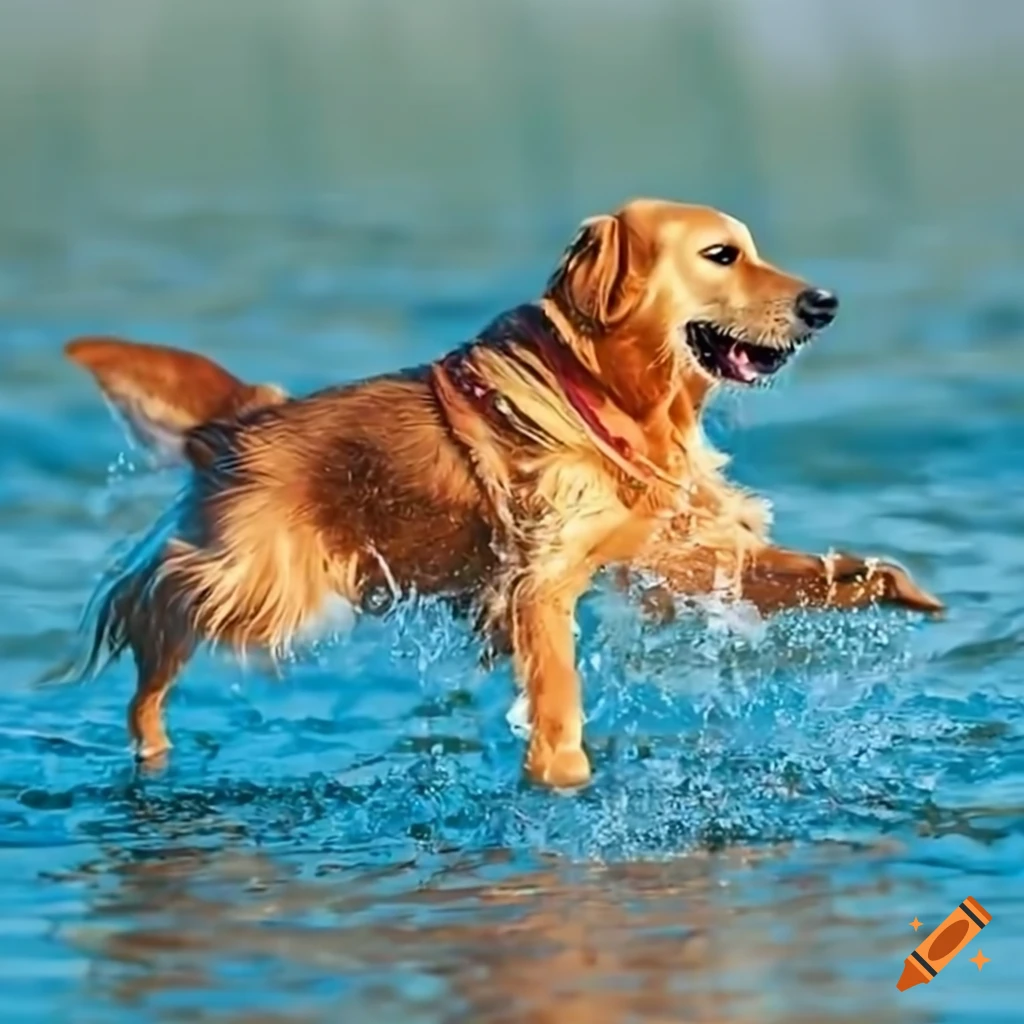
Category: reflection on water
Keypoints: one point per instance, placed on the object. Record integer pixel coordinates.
(317, 191)
(735, 936)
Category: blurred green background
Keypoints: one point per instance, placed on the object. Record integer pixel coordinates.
(478, 110)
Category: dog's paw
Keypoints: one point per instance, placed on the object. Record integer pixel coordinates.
(900, 589)
(885, 583)
(561, 768)
(152, 761)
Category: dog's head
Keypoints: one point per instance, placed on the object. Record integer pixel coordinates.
(658, 289)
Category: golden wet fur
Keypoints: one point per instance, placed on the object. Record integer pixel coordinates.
(484, 477)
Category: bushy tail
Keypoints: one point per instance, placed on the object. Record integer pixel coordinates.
(163, 396)
(159, 394)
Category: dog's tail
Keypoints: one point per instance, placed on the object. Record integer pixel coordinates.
(160, 394)
(168, 401)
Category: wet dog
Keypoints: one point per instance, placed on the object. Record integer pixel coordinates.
(564, 439)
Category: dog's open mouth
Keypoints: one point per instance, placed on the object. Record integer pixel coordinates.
(722, 355)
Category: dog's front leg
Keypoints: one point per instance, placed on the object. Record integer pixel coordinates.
(775, 578)
(544, 654)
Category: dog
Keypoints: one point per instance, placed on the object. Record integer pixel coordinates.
(564, 439)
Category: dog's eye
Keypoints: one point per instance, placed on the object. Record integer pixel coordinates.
(723, 255)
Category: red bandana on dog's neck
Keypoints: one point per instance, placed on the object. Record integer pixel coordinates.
(614, 433)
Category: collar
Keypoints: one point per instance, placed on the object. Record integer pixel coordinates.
(611, 430)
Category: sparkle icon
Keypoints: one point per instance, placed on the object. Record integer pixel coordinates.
(981, 959)
(915, 924)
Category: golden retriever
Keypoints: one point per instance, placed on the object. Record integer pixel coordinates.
(564, 438)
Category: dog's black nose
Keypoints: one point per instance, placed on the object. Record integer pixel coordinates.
(816, 307)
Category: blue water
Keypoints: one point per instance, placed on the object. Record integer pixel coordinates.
(774, 801)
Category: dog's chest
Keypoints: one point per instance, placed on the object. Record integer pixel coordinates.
(589, 515)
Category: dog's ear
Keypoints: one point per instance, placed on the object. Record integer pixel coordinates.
(601, 276)
(159, 393)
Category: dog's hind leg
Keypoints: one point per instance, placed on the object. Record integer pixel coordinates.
(156, 675)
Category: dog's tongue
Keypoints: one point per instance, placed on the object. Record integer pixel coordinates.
(740, 363)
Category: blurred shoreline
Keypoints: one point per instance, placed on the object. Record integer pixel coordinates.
(465, 110)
